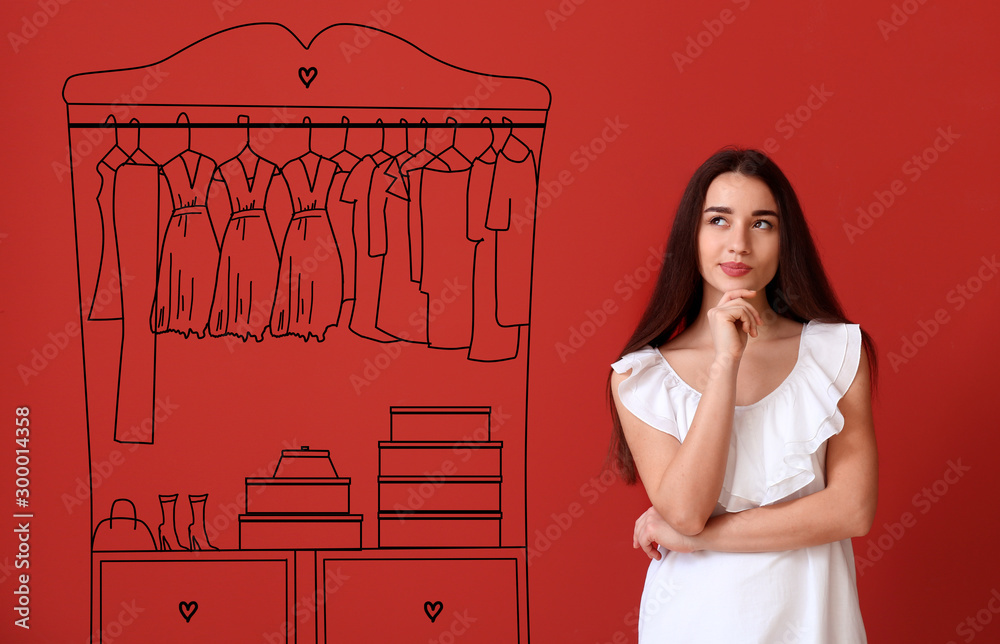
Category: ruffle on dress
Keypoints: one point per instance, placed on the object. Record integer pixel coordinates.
(775, 446)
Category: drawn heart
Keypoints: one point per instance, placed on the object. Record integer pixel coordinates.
(188, 609)
(307, 75)
(433, 609)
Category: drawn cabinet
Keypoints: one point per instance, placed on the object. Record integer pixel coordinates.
(472, 597)
(231, 596)
(475, 595)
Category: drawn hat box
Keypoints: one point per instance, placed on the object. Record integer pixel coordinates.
(305, 481)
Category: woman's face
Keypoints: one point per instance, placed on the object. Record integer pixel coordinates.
(737, 235)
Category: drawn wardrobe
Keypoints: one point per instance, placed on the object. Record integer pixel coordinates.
(307, 303)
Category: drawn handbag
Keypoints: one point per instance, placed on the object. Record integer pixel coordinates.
(123, 532)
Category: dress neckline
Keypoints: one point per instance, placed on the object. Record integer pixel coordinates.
(769, 395)
(305, 170)
(250, 179)
(187, 171)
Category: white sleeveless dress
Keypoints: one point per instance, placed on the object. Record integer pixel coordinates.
(777, 453)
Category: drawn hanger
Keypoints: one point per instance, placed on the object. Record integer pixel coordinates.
(454, 133)
(310, 159)
(243, 118)
(491, 146)
(345, 159)
(187, 155)
(247, 156)
(397, 140)
(187, 121)
(309, 136)
(116, 155)
(346, 122)
(451, 155)
(410, 141)
(510, 131)
(138, 134)
(137, 155)
(111, 121)
(423, 144)
(413, 140)
(381, 154)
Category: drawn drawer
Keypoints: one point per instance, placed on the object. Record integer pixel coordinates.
(472, 601)
(193, 601)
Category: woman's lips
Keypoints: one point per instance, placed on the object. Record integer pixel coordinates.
(735, 269)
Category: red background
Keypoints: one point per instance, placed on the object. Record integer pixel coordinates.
(887, 93)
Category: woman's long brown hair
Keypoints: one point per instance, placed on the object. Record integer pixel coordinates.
(800, 289)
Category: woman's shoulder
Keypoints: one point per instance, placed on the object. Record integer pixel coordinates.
(645, 385)
(832, 351)
(641, 358)
(835, 333)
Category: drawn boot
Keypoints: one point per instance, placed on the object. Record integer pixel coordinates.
(167, 530)
(196, 531)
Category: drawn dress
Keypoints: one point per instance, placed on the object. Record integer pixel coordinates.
(189, 257)
(248, 261)
(310, 289)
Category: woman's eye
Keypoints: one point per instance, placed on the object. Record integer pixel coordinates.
(763, 223)
(715, 221)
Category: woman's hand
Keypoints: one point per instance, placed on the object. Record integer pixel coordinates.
(652, 531)
(732, 321)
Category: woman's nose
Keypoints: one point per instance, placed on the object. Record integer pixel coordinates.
(739, 241)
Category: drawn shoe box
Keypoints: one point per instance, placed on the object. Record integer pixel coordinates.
(304, 506)
(439, 529)
(439, 493)
(439, 511)
(437, 458)
(455, 424)
(300, 532)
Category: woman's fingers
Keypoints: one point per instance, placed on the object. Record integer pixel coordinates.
(741, 313)
(732, 295)
(649, 545)
(644, 534)
(737, 297)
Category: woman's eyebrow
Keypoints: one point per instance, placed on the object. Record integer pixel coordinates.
(726, 210)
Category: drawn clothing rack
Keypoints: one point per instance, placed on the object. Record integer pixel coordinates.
(308, 250)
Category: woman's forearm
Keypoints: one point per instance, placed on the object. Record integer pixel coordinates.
(817, 518)
(689, 488)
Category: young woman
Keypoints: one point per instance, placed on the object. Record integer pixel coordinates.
(743, 404)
